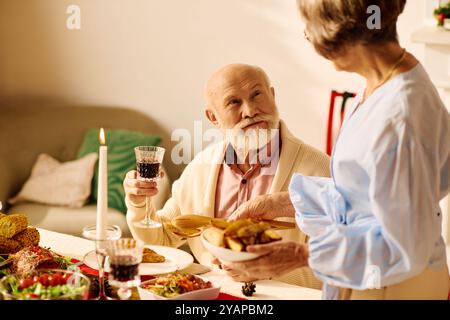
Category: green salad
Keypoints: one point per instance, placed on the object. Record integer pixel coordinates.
(4, 271)
(46, 286)
(175, 284)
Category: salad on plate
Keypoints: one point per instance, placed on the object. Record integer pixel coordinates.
(178, 286)
(45, 285)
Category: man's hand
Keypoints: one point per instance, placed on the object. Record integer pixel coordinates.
(138, 190)
(268, 206)
(277, 258)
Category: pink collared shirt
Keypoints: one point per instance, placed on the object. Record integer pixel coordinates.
(235, 187)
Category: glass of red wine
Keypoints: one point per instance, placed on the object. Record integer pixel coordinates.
(112, 233)
(124, 256)
(148, 163)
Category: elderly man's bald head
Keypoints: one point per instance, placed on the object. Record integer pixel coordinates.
(233, 75)
(240, 96)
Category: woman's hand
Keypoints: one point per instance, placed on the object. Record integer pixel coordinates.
(277, 258)
(268, 206)
(137, 190)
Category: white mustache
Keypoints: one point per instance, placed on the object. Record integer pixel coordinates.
(248, 122)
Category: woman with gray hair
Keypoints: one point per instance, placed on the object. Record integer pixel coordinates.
(375, 225)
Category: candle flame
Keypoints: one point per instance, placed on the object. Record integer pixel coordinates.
(102, 137)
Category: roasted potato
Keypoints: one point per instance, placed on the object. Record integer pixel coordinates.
(215, 236)
(249, 240)
(269, 236)
(252, 229)
(234, 244)
(233, 227)
(237, 235)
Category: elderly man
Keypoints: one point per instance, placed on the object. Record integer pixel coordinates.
(239, 97)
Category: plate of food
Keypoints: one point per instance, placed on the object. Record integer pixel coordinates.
(229, 241)
(15, 234)
(45, 284)
(20, 253)
(155, 260)
(33, 258)
(177, 286)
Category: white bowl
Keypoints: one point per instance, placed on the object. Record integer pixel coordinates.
(225, 254)
(202, 294)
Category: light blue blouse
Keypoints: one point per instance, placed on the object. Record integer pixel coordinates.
(377, 221)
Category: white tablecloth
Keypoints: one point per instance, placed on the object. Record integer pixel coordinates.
(76, 247)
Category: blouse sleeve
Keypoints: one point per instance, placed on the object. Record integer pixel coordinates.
(395, 241)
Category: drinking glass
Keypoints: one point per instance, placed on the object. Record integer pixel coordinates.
(148, 163)
(112, 233)
(124, 255)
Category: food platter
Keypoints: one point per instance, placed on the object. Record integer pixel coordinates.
(224, 254)
(176, 259)
(228, 241)
(45, 284)
(168, 288)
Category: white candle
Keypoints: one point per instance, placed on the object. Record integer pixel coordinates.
(102, 191)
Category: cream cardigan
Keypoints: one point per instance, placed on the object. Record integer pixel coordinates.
(195, 191)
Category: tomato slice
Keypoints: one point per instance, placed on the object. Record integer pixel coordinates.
(25, 283)
(44, 280)
(64, 278)
(56, 279)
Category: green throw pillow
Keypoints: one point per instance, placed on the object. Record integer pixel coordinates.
(121, 159)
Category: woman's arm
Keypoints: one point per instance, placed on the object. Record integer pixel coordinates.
(394, 239)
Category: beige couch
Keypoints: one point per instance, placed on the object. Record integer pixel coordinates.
(28, 130)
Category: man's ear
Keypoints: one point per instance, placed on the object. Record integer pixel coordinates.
(211, 117)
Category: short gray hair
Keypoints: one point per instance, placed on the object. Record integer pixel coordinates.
(333, 24)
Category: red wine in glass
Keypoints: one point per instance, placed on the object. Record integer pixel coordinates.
(123, 269)
(148, 170)
(148, 162)
(124, 257)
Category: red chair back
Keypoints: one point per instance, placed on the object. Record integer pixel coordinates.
(335, 94)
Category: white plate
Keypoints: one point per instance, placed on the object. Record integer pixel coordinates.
(203, 294)
(225, 254)
(176, 259)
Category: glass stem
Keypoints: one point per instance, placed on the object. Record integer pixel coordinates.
(147, 211)
(101, 277)
(124, 293)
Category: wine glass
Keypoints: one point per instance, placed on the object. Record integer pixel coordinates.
(112, 233)
(124, 255)
(148, 163)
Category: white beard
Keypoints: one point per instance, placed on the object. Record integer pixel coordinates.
(246, 144)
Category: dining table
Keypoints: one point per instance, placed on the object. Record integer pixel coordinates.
(77, 247)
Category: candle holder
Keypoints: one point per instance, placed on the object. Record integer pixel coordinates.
(112, 233)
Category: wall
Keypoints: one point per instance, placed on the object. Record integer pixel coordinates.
(156, 55)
